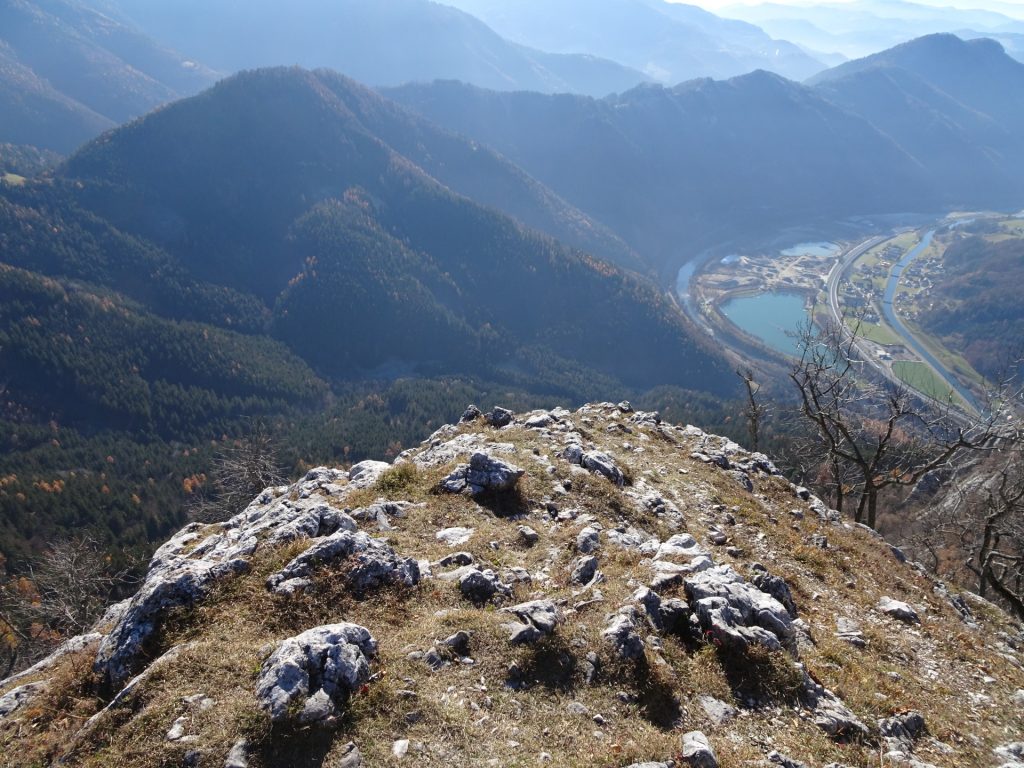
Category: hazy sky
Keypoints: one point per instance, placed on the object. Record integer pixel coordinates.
(1009, 7)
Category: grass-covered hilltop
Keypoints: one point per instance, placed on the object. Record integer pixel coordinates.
(588, 588)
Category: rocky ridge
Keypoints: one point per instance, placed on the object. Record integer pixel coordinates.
(576, 588)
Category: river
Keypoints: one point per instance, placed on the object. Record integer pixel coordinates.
(898, 325)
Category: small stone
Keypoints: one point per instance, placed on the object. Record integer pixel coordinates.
(898, 610)
(459, 642)
(238, 756)
(528, 536)
(849, 631)
(456, 559)
(350, 757)
(454, 536)
(499, 417)
(697, 751)
(472, 413)
(177, 729)
(718, 711)
(575, 708)
(433, 659)
(400, 748)
(621, 632)
(584, 569)
(588, 540)
(785, 762)
(481, 586)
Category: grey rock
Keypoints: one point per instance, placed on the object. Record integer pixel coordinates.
(537, 619)
(483, 474)
(650, 603)
(310, 676)
(819, 540)
(663, 614)
(454, 536)
(621, 633)
(583, 569)
(904, 760)
(575, 708)
(527, 535)
(898, 610)
(177, 729)
(238, 756)
(350, 757)
(17, 698)
(718, 711)
(743, 479)
(366, 473)
(680, 547)
(828, 711)
(849, 631)
(459, 642)
(633, 538)
(480, 586)
(786, 762)
(603, 464)
(183, 570)
(1018, 698)
(775, 586)
(907, 725)
(697, 751)
(540, 421)
(588, 540)
(1012, 753)
(735, 613)
(649, 765)
(373, 564)
(517, 575)
(457, 559)
(718, 538)
(499, 417)
(472, 413)
(573, 453)
(802, 493)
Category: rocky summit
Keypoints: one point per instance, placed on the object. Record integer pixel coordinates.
(588, 588)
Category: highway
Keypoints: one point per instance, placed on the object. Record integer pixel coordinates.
(835, 276)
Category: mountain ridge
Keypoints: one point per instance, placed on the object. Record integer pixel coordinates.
(691, 614)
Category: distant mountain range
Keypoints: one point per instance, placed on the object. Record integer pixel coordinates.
(669, 42)
(869, 26)
(68, 72)
(378, 43)
(927, 125)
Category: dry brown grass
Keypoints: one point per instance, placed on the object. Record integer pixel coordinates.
(469, 714)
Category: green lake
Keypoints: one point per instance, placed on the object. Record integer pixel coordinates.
(770, 317)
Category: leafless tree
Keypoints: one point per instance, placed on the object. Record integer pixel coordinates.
(238, 475)
(61, 594)
(873, 425)
(755, 411)
(982, 521)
